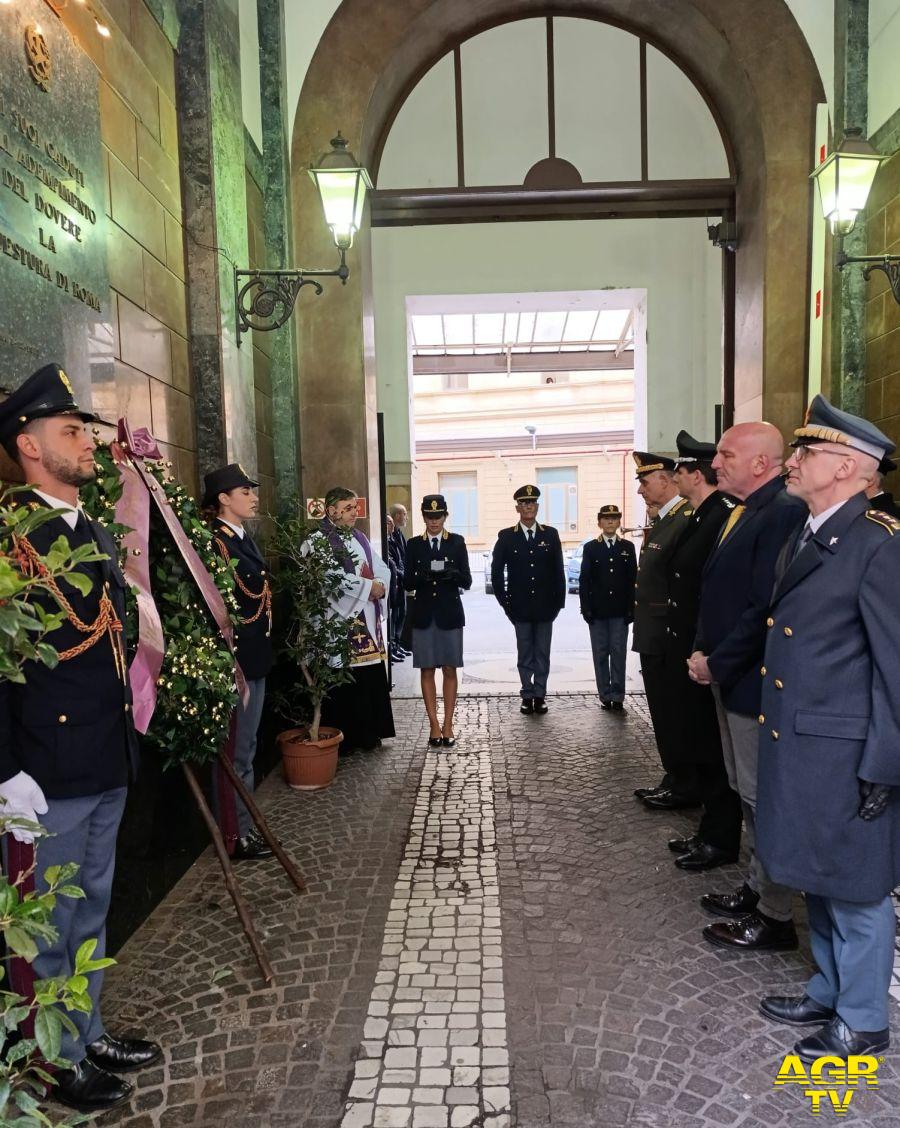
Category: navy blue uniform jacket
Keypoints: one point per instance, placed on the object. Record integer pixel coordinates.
(529, 578)
(437, 593)
(606, 582)
(71, 728)
(737, 587)
(254, 644)
(830, 712)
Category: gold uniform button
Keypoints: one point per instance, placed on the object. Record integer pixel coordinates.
(788, 631)
(762, 671)
(62, 718)
(770, 622)
(775, 735)
(779, 684)
(127, 708)
(761, 718)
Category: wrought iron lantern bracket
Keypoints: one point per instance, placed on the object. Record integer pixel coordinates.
(889, 264)
(265, 299)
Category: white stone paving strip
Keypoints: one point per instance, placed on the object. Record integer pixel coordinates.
(434, 1053)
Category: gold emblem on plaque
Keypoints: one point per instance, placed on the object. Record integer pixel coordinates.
(37, 53)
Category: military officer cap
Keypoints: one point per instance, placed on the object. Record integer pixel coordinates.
(46, 392)
(826, 423)
(230, 477)
(692, 451)
(434, 505)
(609, 511)
(527, 493)
(646, 463)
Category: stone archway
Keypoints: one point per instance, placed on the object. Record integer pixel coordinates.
(753, 65)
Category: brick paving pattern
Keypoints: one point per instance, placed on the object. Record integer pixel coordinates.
(616, 1011)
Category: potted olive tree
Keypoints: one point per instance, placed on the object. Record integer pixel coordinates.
(315, 652)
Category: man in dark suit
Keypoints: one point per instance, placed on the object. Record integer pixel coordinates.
(728, 649)
(651, 603)
(397, 566)
(529, 581)
(67, 740)
(696, 744)
(879, 497)
(398, 613)
(828, 815)
(606, 593)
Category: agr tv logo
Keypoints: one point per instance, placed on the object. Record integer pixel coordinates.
(830, 1082)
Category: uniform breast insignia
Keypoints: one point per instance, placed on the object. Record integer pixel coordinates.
(884, 519)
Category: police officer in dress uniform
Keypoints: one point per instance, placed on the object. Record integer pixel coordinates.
(651, 602)
(879, 497)
(696, 743)
(67, 741)
(529, 580)
(230, 491)
(606, 593)
(828, 814)
(437, 569)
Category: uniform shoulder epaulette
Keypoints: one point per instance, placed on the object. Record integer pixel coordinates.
(679, 505)
(228, 532)
(886, 520)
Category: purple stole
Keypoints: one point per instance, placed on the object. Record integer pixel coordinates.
(362, 646)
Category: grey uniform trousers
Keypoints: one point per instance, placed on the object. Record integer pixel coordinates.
(246, 727)
(84, 831)
(609, 642)
(533, 644)
(740, 749)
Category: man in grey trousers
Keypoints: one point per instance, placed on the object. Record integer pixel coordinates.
(731, 635)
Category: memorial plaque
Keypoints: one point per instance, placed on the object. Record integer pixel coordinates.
(54, 286)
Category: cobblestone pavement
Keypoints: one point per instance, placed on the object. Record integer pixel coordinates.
(599, 987)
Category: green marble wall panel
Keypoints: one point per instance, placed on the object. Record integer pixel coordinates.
(54, 287)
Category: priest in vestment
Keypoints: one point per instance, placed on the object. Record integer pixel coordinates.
(361, 707)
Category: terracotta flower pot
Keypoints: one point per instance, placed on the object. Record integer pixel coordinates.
(309, 764)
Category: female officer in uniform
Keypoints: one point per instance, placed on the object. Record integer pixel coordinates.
(437, 569)
(230, 495)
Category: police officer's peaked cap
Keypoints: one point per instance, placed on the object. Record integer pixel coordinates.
(826, 423)
(46, 392)
(434, 505)
(609, 511)
(646, 463)
(230, 477)
(690, 450)
(527, 493)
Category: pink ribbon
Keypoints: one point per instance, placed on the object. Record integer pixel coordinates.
(134, 510)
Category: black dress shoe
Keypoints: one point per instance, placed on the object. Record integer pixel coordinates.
(684, 845)
(839, 1040)
(86, 1088)
(606, 705)
(540, 705)
(736, 904)
(252, 847)
(645, 792)
(121, 1055)
(705, 857)
(527, 706)
(435, 742)
(618, 707)
(795, 1010)
(670, 801)
(753, 933)
(448, 741)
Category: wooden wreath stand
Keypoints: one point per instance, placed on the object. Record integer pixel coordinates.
(218, 841)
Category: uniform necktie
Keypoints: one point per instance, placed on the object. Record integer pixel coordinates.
(531, 536)
(802, 541)
(434, 545)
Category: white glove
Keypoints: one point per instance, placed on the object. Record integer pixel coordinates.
(21, 798)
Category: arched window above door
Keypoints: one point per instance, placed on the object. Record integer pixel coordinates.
(552, 102)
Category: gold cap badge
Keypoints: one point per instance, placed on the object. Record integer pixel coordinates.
(66, 383)
(434, 504)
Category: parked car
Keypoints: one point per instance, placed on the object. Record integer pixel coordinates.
(573, 568)
(486, 564)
